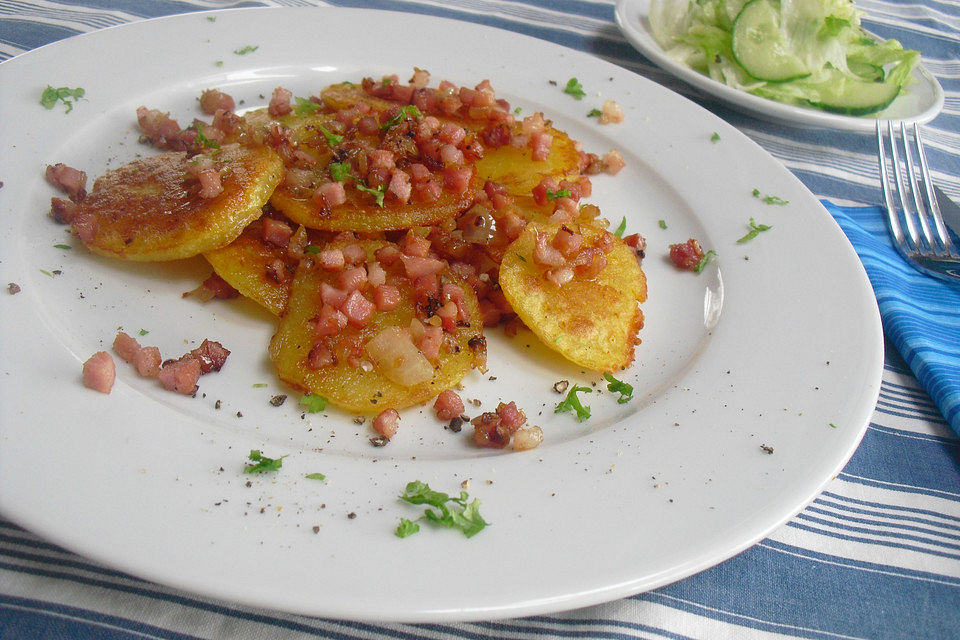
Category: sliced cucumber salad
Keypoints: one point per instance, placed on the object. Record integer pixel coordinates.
(804, 52)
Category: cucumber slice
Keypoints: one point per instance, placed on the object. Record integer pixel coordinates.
(853, 97)
(759, 45)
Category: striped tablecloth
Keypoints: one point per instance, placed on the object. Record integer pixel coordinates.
(877, 555)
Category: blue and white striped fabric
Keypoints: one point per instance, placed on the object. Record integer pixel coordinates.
(877, 555)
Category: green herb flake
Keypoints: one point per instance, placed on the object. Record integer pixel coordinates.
(594, 113)
(833, 426)
(332, 138)
(621, 228)
(406, 528)
(305, 106)
(574, 88)
(708, 256)
(755, 230)
(377, 193)
(715, 137)
(211, 18)
(769, 199)
(662, 224)
(46, 273)
(219, 63)
(517, 111)
(312, 403)
(204, 140)
(65, 247)
(572, 403)
(315, 476)
(559, 193)
(143, 332)
(312, 249)
(247, 49)
(340, 171)
(259, 385)
(625, 390)
(262, 464)
(66, 95)
(407, 111)
(446, 511)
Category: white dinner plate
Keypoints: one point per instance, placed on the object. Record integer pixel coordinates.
(753, 385)
(919, 104)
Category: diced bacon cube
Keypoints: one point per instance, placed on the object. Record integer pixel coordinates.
(276, 232)
(429, 191)
(352, 278)
(415, 245)
(321, 355)
(147, 362)
(354, 254)
(99, 372)
(280, 102)
(386, 297)
(125, 346)
(400, 187)
(63, 211)
(211, 356)
(546, 255)
(213, 99)
(415, 266)
(451, 133)
(426, 286)
(457, 179)
(448, 405)
(386, 423)
(418, 173)
(210, 185)
(510, 416)
(376, 274)
(429, 342)
(611, 112)
(450, 155)
(540, 144)
(357, 309)
(329, 322)
(381, 159)
(330, 194)
(332, 296)
(567, 243)
(613, 162)
(180, 375)
(533, 124)
(331, 260)
(387, 254)
(71, 181)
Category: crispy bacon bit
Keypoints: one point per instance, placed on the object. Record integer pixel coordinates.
(416, 266)
(540, 144)
(320, 356)
(213, 287)
(180, 375)
(357, 309)
(13, 288)
(276, 232)
(611, 112)
(494, 429)
(71, 181)
(213, 99)
(331, 260)
(125, 346)
(280, 102)
(352, 278)
(386, 297)
(210, 185)
(429, 342)
(99, 372)
(386, 423)
(211, 356)
(330, 194)
(637, 243)
(546, 255)
(613, 162)
(448, 405)
(354, 254)
(162, 130)
(686, 255)
(147, 362)
(329, 322)
(63, 211)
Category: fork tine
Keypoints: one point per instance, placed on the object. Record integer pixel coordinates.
(934, 208)
(892, 218)
(899, 179)
(911, 178)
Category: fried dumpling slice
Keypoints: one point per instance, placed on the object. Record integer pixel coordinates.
(151, 209)
(589, 314)
(260, 264)
(386, 349)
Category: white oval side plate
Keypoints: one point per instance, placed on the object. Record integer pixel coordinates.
(920, 104)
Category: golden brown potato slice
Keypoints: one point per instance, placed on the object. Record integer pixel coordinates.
(259, 269)
(516, 170)
(356, 381)
(592, 322)
(151, 210)
(347, 94)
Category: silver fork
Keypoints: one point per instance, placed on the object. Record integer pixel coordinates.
(927, 244)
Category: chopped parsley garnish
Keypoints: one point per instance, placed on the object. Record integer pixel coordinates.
(522, 259)
(305, 106)
(262, 464)
(312, 403)
(65, 247)
(332, 138)
(312, 249)
(662, 224)
(715, 137)
(574, 88)
(517, 111)
(559, 193)
(259, 385)
(625, 390)
(315, 476)
(621, 228)
(211, 18)
(769, 199)
(707, 257)
(447, 511)
(247, 49)
(46, 273)
(594, 113)
(219, 63)
(204, 140)
(143, 332)
(833, 426)
(377, 193)
(66, 95)
(340, 171)
(755, 230)
(407, 111)
(572, 403)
